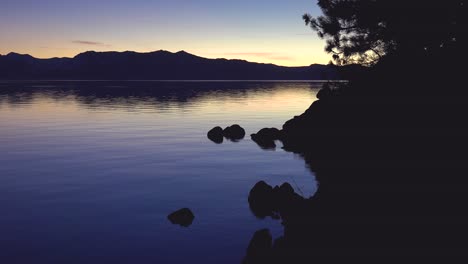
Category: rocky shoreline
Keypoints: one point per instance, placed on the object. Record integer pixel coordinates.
(390, 176)
(391, 171)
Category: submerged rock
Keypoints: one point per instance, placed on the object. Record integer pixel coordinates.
(216, 135)
(234, 132)
(183, 217)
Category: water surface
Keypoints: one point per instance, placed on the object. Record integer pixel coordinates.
(89, 171)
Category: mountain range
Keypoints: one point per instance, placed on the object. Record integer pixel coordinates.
(158, 65)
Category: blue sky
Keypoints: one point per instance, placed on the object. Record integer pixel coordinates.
(256, 30)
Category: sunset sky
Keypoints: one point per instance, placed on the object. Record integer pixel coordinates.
(269, 31)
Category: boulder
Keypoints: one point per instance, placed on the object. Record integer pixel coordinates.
(266, 137)
(261, 200)
(325, 93)
(263, 143)
(286, 189)
(183, 217)
(234, 132)
(216, 135)
(280, 202)
(269, 133)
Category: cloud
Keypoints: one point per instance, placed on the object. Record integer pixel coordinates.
(90, 43)
(267, 55)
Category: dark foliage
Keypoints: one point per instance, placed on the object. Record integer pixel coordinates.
(364, 31)
(389, 148)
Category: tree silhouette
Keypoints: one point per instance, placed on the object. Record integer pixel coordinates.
(364, 31)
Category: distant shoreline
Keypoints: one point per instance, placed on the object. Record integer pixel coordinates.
(160, 65)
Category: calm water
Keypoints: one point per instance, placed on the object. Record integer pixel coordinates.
(89, 171)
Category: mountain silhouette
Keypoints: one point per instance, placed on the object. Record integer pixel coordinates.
(158, 65)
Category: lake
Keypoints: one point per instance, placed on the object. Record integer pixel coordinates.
(89, 171)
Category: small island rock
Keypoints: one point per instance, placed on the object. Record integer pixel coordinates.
(216, 135)
(261, 200)
(183, 217)
(234, 132)
(266, 137)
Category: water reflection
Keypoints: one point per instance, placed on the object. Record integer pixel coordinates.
(158, 93)
(110, 160)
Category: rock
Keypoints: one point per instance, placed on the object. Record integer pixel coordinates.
(266, 137)
(234, 132)
(261, 200)
(183, 217)
(325, 93)
(216, 135)
(286, 189)
(269, 133)
(263, 143)
(287, 200)
(280, 202)
(260, 248)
